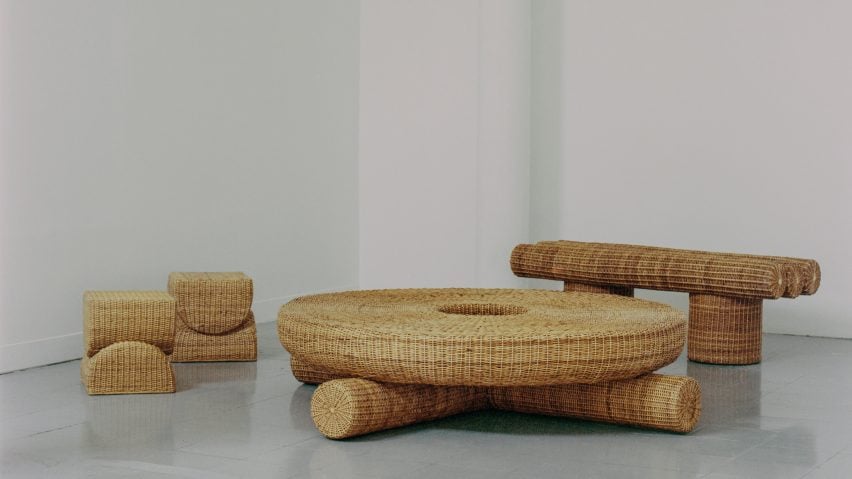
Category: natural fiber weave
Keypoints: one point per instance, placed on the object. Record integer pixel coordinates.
(344, 408)
(801, 276)
(239, 345)
(402, 336)
(352, 407)
(212, 303)
(304, 372)
(808, 272)
(671, 403)
(651, 268)
(128, 367)
(113, 316)
(724, 330)
(597, 288)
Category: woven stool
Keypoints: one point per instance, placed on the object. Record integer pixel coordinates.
(127, 337)
(393, 357)
(214, 317)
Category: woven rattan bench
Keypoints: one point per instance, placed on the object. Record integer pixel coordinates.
(388, 358)
(726, 291)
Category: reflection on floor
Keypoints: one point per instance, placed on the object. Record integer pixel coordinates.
(789, 417)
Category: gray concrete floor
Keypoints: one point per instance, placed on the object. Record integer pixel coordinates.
(789, 417)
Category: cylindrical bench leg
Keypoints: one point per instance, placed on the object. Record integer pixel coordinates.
(724, 330)
(344, 408)
(597, 288)
(670, 403)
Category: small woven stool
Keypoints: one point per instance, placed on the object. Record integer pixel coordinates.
(127, 338)
(389, 358)
(214, 317)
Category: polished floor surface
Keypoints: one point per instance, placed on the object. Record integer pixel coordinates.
(789, 417)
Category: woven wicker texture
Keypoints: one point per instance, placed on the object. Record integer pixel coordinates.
(212, 303)
(239, 345)
(597, 288)
(128, 367)
(304, 372)
(724, 330)
(113, 316)
(344, 408)
(481, 337)
(808, 272)
(798, 275)
(352, 407)
(651, 268)
(671, 403)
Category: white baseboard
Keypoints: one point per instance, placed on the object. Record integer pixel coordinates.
(40, 352)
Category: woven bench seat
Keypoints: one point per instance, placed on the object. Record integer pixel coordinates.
(726, 289)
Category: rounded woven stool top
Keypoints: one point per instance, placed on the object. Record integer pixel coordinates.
(481, 337)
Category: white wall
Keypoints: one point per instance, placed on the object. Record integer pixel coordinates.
(139, 138)
(443, 141)
(708, 125)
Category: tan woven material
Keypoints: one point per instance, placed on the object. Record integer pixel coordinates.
(128, 367)
(800, 276)
(212, 303)
(481, 337)
(352, 407)
(651, 268)
(239, 345)
(670, 403)
(597, 288)
(808, 272)
(113, 316)
(724, 330)
(304, 372)
(344, 408)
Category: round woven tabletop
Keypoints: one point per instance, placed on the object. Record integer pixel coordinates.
(481, 337)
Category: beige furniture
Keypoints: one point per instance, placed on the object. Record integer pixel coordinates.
(214, 317)
(395, 357)
(127, 337)
(726, 291)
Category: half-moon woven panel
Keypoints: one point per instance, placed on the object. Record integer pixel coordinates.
(651, 268)
(237, 345)
(128, 367)
(212, 303)
(481, 337)
(113, 316)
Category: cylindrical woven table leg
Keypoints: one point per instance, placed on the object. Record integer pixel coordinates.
(308, 374)
(350, 407)
(344, 408)
(597, 288)
(724, 330)
(671, 403)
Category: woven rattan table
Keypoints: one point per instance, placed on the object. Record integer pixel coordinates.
(395, 357)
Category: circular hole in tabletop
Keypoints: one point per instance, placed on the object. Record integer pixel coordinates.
(480, 309)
